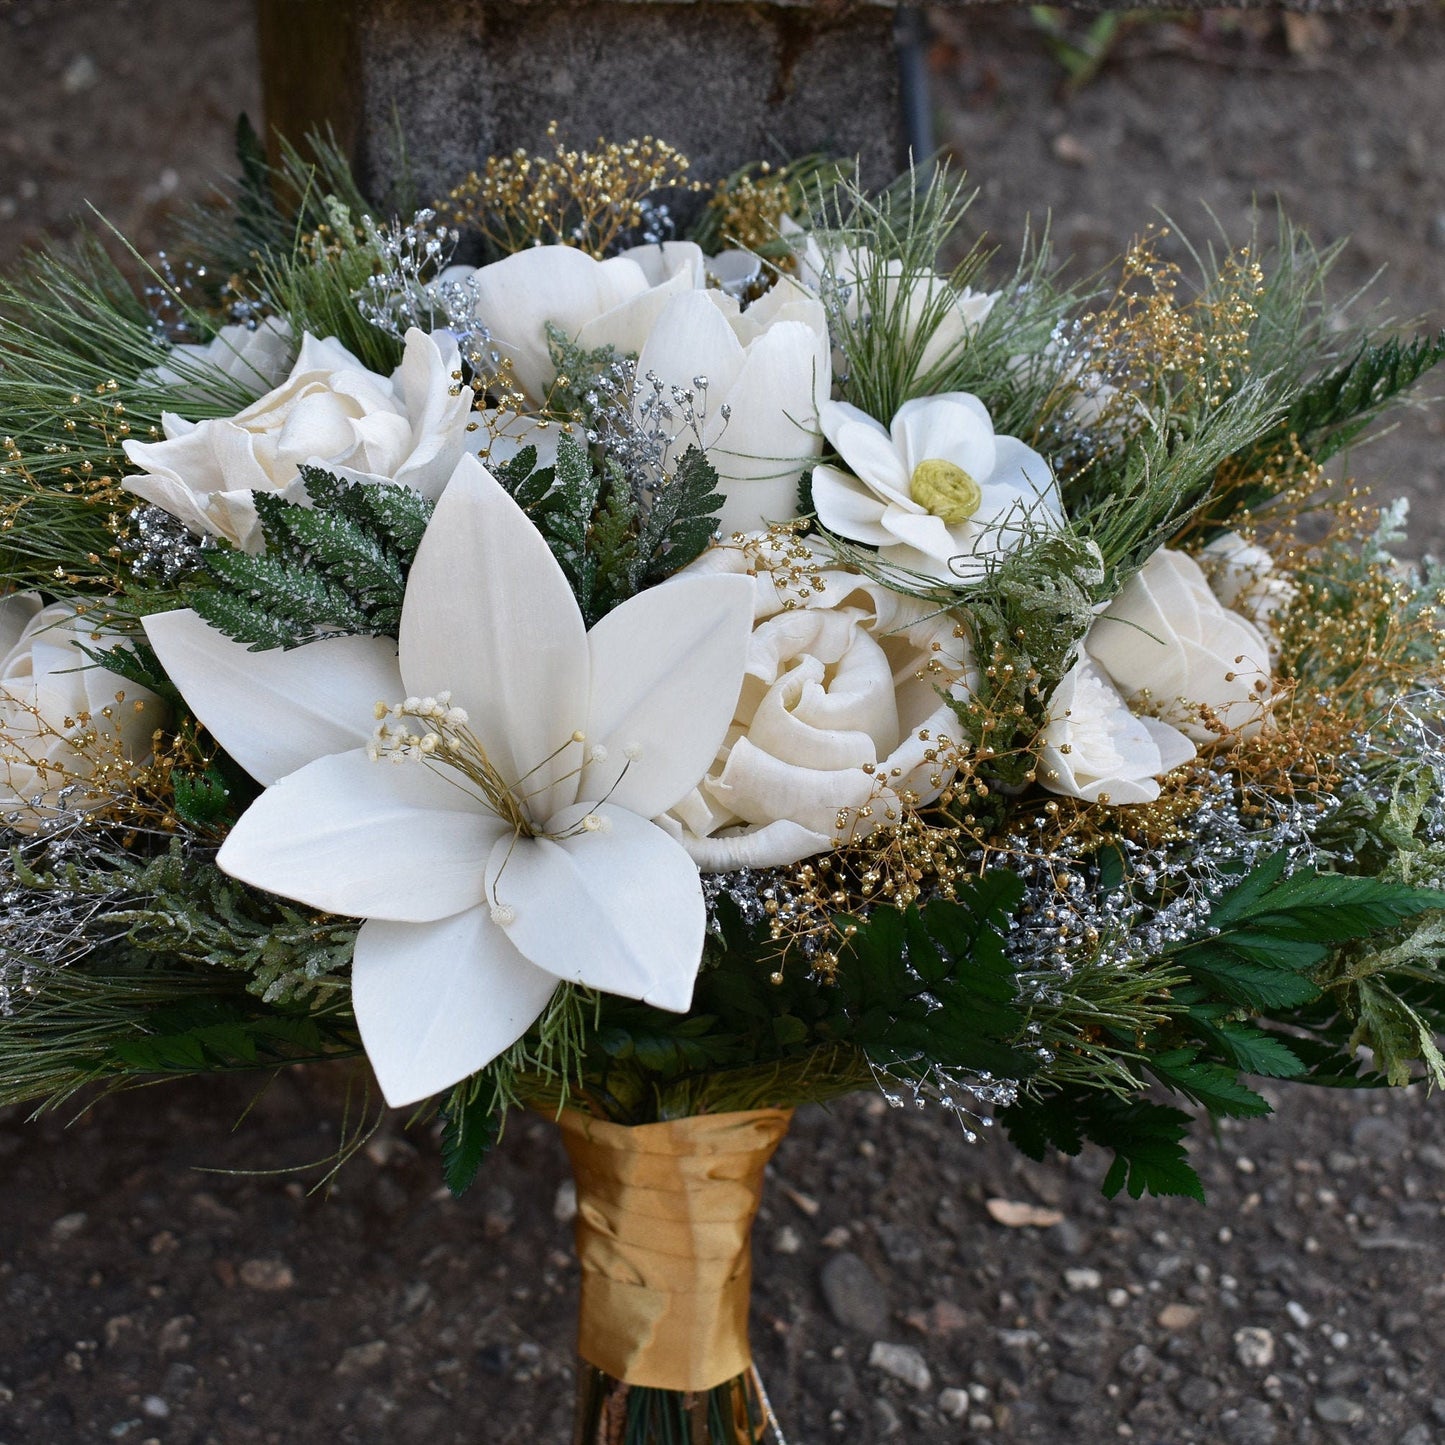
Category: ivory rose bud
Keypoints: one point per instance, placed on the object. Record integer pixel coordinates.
(410, 428)
(61, 715)
(1167, 641)
(1094, 748)
(843, 706)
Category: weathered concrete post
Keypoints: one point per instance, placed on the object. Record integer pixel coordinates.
(725, 81)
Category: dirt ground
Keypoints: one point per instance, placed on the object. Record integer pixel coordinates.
(166, 1277)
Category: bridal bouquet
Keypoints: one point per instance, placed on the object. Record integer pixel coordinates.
(662, 681)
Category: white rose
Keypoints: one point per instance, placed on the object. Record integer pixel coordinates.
(1094, 748)
(409, 428)
(1242, 575)
(939, 493)
(61, 716)
(1167, 640)
(841, 709)
(256, 358)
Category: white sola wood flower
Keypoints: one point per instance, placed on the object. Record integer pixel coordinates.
(494, 830)
(938, 492)
(332, 412)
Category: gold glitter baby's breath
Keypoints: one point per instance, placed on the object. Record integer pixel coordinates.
(585, 198)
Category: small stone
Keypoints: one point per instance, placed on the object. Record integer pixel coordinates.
(1117, 1298)
(1299, 1315)
(1071, 150)
(902, 1245)
(68, 1226)
(854, 1294)
(1177, 1317)
(175, 1335)
(787, 1241)
(1432, 1155)
(1336, 1410)
(155, 1407)
(885, 1419)
(1252, 1424)
(1380, 1137)
(270, 1276)
(837, 1237)
(1254, 1347)
(1083, 1279)
(1420, 1434)
(805, 1202)
(1069, 1389)
(1137, 1361)
(356, 1359)
(1437, 1409)
(79, 75)
(953, 1402)
(564, 1202)
(903, 1362)
(980, 1423)
(1197, 1394)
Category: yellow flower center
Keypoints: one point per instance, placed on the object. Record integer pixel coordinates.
(946, 490)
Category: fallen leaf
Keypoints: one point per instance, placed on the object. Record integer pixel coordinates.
(1015, 1214)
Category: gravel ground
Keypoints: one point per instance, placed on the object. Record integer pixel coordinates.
(165, 1274)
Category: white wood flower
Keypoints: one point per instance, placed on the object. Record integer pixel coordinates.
(1167, 641)
(331, 411)
(504, 844)
(1094, 748)
(938, 492)
(845, 706)
(63, 719)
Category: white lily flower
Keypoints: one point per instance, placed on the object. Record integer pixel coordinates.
(517, 854)
(937, 493)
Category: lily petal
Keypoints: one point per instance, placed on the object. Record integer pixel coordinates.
(667, 667)
(575, 908)
(276, 711)
(490, 618)
(367, 839)
(435, 1002)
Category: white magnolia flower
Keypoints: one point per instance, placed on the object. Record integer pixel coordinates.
(1167, 641)
(937, 493)
(1243, 576)
(256, 358)
(853, 278)
(765, 369)
(844, 706)
(332, 412)
(1094, 748)
(595, 303)
(61, 716)
(768, 370)
(509, 846)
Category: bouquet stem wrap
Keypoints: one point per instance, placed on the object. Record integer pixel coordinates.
(664, 1213)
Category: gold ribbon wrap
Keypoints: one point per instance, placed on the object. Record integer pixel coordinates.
(664, 1212)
